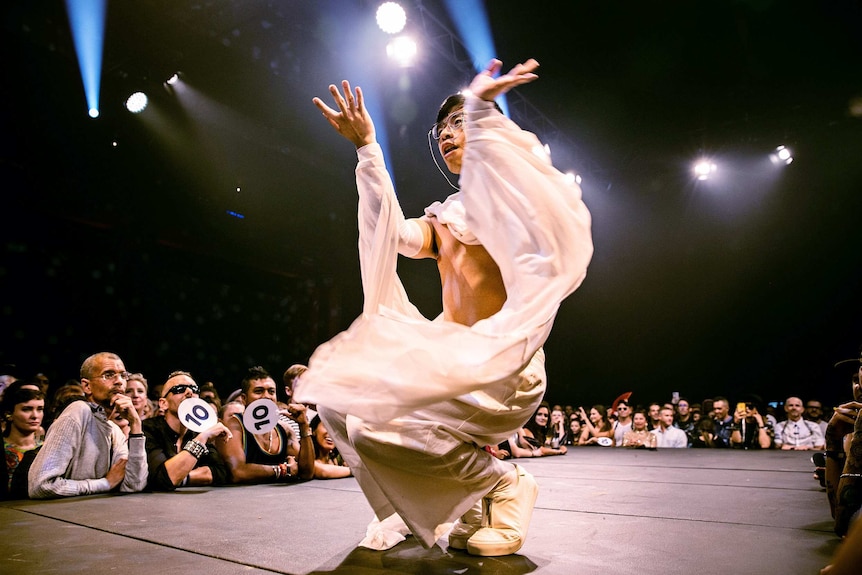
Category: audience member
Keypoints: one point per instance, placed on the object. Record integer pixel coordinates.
(85, 452)
(557, 430)
(6, 376)
(265, 458)
(639, 436)
(328, 464)
(136, 389)
(722, 422)
(666, 434)
(814, 413)
(62, 398)
(209, 393)
(653, 415)
(749, 430)
(696, 414)
(574, 430)
(596, 426)
(796, 433)
(684, 419)
(530, 440)
(176, 456)
(22, 410)
(704, 433)
(623, 423)
(844, 457)
(229, 409)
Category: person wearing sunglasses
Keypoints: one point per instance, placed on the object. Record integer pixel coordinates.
(177, 456)
(411, 402)
(84, 451)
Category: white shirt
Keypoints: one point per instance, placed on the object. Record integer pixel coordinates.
(670, 437)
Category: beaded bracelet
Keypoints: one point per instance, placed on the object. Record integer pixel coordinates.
(196, 448)
(843, 475)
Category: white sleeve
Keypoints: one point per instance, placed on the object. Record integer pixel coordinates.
(374, 182)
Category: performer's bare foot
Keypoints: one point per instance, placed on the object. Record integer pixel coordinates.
(510, 507)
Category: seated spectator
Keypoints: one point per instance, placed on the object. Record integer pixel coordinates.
(696, 415)
(529, 441)
(847, 495)
(62, 398)
(814, 413)
(796, 433)
(176, 456)
(653, 415)
(749, 430)
(574, 430)
(722, 422)
(229, 409)
(639, 436)
(22, 409)
(557, 431)
(704, 433)
(684, 419)
(843, 464)
(623, 423)
(328, 464)
(84, 452)
(265, 458)
(209, 393)
(596, 426)
(666, 434)
(136, 388)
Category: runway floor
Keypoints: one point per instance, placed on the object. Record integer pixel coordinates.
(600, 511)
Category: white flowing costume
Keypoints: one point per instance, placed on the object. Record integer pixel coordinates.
(411, 402)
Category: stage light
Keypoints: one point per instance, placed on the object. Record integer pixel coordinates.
(403, 50)
(87, 23)
(173, 80)
(391, 17)
(704, 169)
(781, 155)
(137, 102)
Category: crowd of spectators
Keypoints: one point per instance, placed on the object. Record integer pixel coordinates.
(111, 431)
(712, 423)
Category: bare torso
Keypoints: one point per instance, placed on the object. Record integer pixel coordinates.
(472, 284)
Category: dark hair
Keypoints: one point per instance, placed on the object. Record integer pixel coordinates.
(254, 373)
(13, 397)
(451, 103)
(539, 433)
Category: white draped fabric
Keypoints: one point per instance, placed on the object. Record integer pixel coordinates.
(411, 401)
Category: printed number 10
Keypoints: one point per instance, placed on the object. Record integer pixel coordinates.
(201, 412)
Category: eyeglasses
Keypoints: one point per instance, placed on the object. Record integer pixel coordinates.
(622, 407)
(112, 375)
(454, 121)
(813, 407)
(181, 388)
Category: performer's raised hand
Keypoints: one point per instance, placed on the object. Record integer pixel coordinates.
(487, 87)
(351, 120)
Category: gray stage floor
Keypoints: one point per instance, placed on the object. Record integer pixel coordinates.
(600, 511)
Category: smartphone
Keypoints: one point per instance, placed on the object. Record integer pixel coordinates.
(740, 406)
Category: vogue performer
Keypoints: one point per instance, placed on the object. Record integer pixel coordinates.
(411, 402)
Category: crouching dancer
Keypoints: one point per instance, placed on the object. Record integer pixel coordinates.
(411, 402)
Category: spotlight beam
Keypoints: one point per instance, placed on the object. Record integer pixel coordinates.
(87, 22)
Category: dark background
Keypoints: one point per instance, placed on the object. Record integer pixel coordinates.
(115, 232)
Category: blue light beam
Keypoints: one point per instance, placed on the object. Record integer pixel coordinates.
(471, 20)
(87, 21)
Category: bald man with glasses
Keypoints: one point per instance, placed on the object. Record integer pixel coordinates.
(84, 451)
